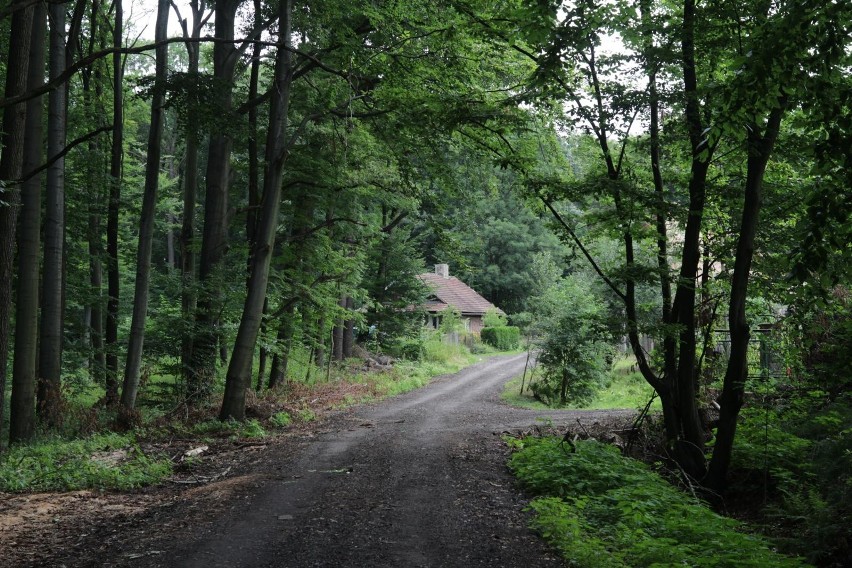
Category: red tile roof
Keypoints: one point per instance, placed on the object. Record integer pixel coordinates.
(453, 292)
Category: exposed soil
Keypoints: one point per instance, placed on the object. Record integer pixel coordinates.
(417, 480)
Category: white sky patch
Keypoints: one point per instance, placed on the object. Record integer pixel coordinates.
(141, 18)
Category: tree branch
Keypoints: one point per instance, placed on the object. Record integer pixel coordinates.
(68, 147)
(583, 249)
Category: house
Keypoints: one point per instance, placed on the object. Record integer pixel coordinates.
(449, 291)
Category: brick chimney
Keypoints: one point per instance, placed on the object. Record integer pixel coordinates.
(442, 270)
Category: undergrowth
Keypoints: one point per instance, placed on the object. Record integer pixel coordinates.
(102, 461)
(797, 465)
(600, 509)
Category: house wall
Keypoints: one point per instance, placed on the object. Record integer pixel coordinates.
(476, 324)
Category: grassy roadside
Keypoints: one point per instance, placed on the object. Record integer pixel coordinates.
(625, 389)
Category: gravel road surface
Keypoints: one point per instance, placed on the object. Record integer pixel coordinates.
(416, 480)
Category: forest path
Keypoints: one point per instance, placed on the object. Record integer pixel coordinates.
(416, 480)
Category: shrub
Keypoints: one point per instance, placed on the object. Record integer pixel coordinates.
(494, 318)
(575, 350)
(504, 338)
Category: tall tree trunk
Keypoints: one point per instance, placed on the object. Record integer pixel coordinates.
(22, 417)
(253, 157)
(280, 361)
(349, 330)
(264, 352)
(319, 343)
(190, 191)
(117, 155)
(170, 243)
(50, 343)
(239, 371)
(733, 387)
(337, 333)
(96, 278)
(215, 233)
(146, 222)
(661, 216)
(689, 449)
(95, 167)
(12, 135)
(254, 181)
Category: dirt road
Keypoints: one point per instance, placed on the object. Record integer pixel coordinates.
(417, 480)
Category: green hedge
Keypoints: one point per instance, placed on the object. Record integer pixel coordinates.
(504, 338)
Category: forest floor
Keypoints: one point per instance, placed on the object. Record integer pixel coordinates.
(416, 480)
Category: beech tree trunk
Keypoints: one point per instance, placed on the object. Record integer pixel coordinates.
(117, 155)
(11, 164)
(215, 233)
(337, 334)
(146, 222)
(349, 330)
(689, 449)
(190, 191)
(22, 410)
(280, 361)
(239, 370)
(50, 342)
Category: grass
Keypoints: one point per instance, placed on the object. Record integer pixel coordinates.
(626, 389)
(102, 461)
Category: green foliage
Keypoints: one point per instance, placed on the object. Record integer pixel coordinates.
(306, 415)
(281, 419)
(104, 461)
(451, 320)
(623, 389)
(393, 288)
(600, 509)
(232, 429)
(800, 460)
(503, 338)
(440, 349)
(575, 352)
(494, 318)
(409, 349)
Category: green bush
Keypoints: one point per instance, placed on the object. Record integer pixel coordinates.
(503, 338)
(575, 344)
(600, 509)
(410, 349)
(494, 318)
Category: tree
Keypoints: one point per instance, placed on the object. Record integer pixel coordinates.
(146, 223)
(11, 164)
(574, 342)
(239, 370)
(22, 415)
(52, 308)
(214, 242)
(714, 103)
(113, 209)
